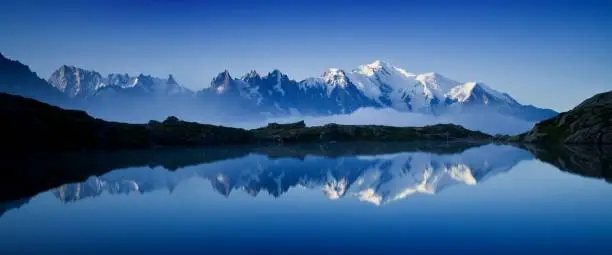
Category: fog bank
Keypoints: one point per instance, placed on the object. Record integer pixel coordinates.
(490, 123)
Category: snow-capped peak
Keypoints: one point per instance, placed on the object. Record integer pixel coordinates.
(430, 76)
(381, 67)
(378, 64)
(335, 77)
(372, 68)
(464, 92)
(435, 84)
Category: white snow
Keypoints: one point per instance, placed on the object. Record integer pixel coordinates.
(335, 189)
(436, 85)
(373, 79)
(389, 85)
(381, 79)
(220, 89)
(462, 92)
(312, 82)
(335, 77)
(413, 173)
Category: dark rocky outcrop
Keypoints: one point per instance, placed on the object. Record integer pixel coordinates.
(29, 124)
(296, 125)
(588, 123)
(298, 133)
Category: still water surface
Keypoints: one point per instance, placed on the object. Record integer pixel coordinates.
(491, 199)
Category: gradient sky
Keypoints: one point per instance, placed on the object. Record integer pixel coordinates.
(547, 53)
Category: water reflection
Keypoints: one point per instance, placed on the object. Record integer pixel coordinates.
(587, 161)
(376, 197)
(371, 172)
(377, 179)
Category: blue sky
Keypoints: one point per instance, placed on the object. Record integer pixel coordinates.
(547, 53)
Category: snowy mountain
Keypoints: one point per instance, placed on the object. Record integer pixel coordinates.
(253, 96)
(378, 85)
(377, 179)
(276, 94)
(76, 82)
(85, 84)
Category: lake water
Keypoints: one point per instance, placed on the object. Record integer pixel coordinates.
(338, 199)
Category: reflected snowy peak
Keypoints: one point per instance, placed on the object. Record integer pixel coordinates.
(378, 179)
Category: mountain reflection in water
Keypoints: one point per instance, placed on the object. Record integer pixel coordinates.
(377, 173)
(357, 198)
(377, 179)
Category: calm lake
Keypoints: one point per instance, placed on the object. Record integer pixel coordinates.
(314, 199)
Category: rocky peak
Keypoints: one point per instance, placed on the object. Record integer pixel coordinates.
(63, 68)
(222, 77)
(76, 82)
(222, 82)
(171, 80)
(275, 74)
(251, 76)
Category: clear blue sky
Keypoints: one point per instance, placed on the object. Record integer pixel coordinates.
(548, 53)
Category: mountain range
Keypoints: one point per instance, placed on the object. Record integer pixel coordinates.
(375, 85)
(84, 84)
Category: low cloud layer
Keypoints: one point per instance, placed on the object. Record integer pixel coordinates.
(489, 123)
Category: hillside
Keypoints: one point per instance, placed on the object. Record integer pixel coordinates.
(588, 123)
(29, 124)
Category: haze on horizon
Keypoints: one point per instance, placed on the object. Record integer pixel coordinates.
(546, 53)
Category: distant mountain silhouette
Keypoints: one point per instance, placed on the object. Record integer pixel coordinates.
(17, 79)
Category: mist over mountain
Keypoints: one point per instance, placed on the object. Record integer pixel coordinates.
(376, 85)
(491, 123)
(427, 98)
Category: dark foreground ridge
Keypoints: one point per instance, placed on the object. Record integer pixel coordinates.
(30, 124)
(588, 123)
